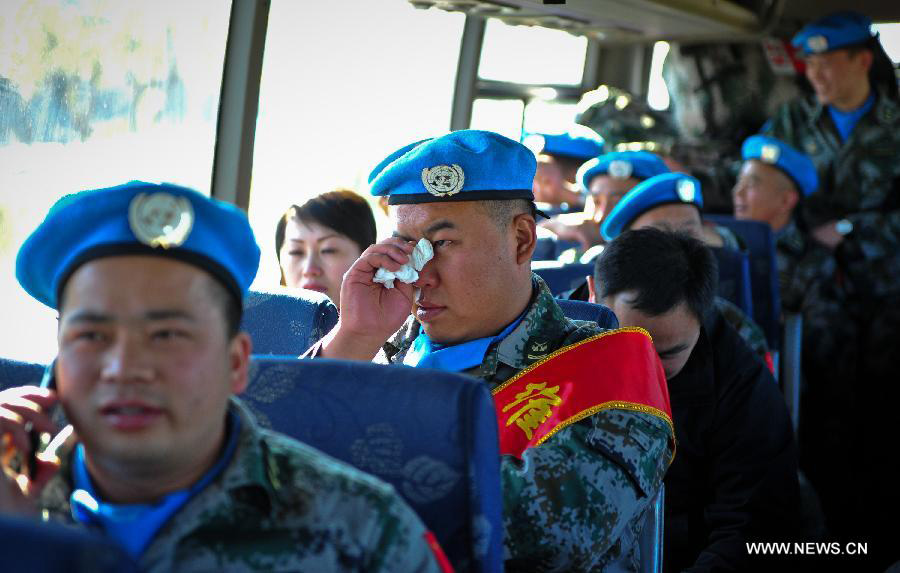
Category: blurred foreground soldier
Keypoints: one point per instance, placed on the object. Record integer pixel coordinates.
(672, 201)
(558, 157)
(148, 280)
(584, 432)
(850, 128)
(606, 179)
(735, 476)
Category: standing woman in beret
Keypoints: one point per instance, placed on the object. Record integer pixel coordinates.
(318, 241)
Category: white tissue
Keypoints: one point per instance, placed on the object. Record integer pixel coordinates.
(408, 273)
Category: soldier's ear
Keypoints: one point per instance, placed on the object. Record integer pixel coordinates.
(239, 349)
(525, 230)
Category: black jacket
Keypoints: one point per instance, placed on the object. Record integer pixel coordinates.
(734, 477)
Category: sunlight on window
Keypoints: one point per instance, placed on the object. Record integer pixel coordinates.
(657, 93)
(501, 115)
(531, 55)
(890, 39)
(548, 116)
(93, 94)
(344, 84)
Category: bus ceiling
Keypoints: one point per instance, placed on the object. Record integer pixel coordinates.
(642, 21)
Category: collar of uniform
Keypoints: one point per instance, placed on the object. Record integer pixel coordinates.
(543, 322)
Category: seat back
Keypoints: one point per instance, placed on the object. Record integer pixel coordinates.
(431, 434)
(287, 321)
(651, 541)
(16, 373)
(734, 278)
(764, 287)
(560, 277)
(583, 310)
(29, 545)
(549, 248)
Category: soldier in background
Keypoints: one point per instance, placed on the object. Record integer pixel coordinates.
(850, 128)
(605, 179)
(148, 280)
(558, 157)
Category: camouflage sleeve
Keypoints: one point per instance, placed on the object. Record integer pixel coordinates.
(569, 501)
(402, 543)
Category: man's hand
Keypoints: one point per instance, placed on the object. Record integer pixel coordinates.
(22, 411)
(370, 313)
(827, 235)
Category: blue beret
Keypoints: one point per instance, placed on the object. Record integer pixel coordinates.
(579, 142)
(138, 218)
(659, 190)
(795, 164)
(832, 32)
(465, 165)
(622, 165)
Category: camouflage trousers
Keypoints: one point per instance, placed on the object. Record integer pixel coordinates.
(851, 367)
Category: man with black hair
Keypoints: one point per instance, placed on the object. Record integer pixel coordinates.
(734, 478)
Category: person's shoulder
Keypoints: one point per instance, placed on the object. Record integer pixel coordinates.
(738, 369)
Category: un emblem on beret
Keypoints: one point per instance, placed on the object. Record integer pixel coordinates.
(686, 190)
(769, 153)
(443, 180)
(620, 169)
(817, 44)
(161, 219)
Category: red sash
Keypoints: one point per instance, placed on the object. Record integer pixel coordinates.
(617, 369)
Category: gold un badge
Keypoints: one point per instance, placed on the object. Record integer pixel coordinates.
(443, 180)
(161, 219)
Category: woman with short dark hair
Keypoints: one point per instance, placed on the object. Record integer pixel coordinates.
(318, 241)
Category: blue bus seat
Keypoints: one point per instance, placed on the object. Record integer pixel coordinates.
(764, 287)
(549, 248)
(791, 372)
(29, 545)
(287, 321)
(734, 278)
(431, 434)
(651, 540)
(583, 310)
(560, 277)
(16, 373)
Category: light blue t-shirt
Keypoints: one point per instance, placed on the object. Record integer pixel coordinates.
(845, 121)
(134, 526)
(456, 357)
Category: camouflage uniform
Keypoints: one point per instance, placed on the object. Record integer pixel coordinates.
(279, 505)
(850, 301)
(577, 502)
(748, 330)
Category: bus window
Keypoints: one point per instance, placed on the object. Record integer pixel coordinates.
(501, 115)
(343, 84)
(548, 116)
(657, 93)
(890, 39)
(531, 55)
(92, 94)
